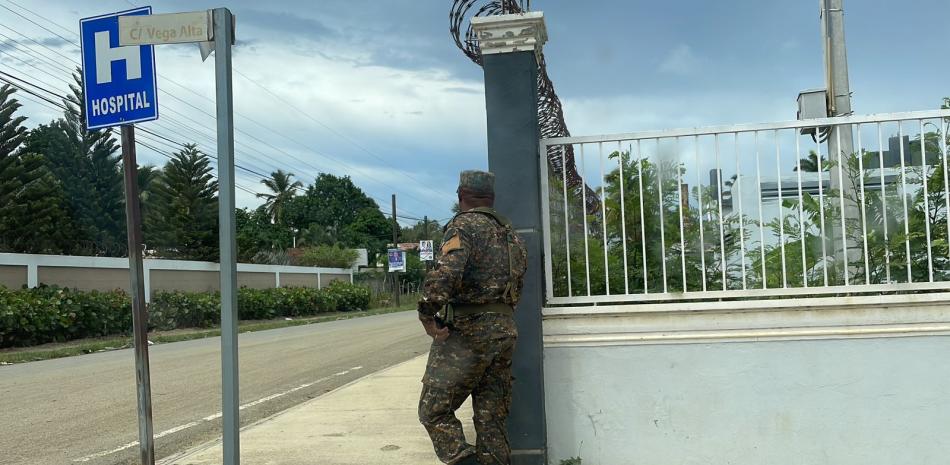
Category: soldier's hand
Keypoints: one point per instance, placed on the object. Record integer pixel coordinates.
(433, 330)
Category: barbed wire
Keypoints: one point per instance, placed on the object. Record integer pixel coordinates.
(550, 110)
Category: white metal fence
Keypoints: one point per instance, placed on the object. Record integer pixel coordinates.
(854, 204)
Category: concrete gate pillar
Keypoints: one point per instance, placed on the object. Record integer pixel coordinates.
(510, 46)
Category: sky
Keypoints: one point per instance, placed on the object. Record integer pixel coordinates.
(377, 90)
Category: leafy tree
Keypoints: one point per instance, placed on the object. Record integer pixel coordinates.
(417, 232)
(333, 210)
(282, 190)
(183, 221)
(86, 164)
(809, 164)
(31, 216)
(258, 239)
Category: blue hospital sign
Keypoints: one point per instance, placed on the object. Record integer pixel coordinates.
(119, 82)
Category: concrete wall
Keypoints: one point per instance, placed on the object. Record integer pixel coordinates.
(12, 277)
(107, 273)
(86, 278)
(800, 392)
(298, 280)
(185, 280)
(326, 279)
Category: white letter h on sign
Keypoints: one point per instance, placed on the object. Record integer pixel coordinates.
(105, 55)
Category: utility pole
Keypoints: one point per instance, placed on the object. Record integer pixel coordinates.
(840, 140)
(395, 246)
(425, 228)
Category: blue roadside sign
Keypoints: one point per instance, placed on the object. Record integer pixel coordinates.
(119, 82)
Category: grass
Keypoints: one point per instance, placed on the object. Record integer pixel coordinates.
(87, 346)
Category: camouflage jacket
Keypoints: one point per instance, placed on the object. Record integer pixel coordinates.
(482, 261)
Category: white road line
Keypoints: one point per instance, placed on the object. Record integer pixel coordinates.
(215, 416)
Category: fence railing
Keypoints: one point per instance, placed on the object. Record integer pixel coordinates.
(855, 204)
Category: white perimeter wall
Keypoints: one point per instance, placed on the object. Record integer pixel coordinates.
(723, 387)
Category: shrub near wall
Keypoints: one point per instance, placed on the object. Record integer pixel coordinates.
(49, 314)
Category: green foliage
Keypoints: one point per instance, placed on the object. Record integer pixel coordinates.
(349, 297)
(333, 210)
(183, 208)
(258, 239)
(572, 461)
(50, 314)
(282, 188)
(87, 166)
(32, 219)
(330, 256)
(699, 245)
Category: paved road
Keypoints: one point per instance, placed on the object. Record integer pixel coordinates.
(82, 409)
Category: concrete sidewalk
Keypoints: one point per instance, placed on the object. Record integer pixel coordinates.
(370, 421)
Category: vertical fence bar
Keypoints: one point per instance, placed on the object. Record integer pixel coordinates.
(722, 232)
(623, 219)
(603, 212)
(841, 213)
(679, 199)
(699, 194)
(864, 213)
(737, 199)
(887, 246)
(900, 138)
(758, 183)
(661, 207)
(821, 208)
(946, 183)
(584, 208)
(801, 208)
(781, 208)
(544, 169)
(925, 169)
(567, 224)
(643, 232)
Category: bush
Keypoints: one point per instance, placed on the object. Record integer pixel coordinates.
(52, 314)
(349, 297)
(172, 310)
(330, 256)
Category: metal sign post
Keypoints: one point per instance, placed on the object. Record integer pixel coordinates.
(223, 38)
(201, 27)
(117, 95)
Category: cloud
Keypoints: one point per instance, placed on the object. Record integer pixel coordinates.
(288, 24)
(680, 61)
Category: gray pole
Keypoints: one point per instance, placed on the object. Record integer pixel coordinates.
(425, 237)
(395, 274)
(133, 218)
(223, 38)
(839, 94)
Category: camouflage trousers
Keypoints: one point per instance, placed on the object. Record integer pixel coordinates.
(475, 360)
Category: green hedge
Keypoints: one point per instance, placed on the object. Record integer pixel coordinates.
(50, 314)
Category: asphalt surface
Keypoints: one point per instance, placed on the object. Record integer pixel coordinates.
(83, 410)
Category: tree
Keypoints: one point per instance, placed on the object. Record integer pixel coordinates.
(810, 164)
(87, 166)
(258, 238)
(334, 211)
(183, 221)
(282, 190)
(32, 219)
(417, 232)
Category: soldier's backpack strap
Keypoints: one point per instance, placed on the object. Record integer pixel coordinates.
(510, 288)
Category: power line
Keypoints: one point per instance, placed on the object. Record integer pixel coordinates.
(345, 165)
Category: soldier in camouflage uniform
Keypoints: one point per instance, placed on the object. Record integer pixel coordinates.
(468, 309)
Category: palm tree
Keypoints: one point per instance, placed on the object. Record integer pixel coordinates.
(282, 190)
(810, 164)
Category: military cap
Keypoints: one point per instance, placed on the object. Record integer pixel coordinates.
(477, 182)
